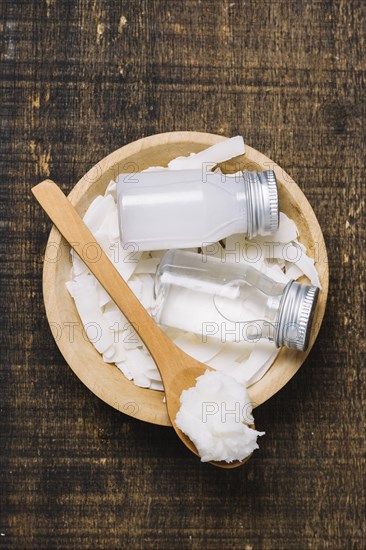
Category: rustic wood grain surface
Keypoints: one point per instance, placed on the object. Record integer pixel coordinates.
(79, 79)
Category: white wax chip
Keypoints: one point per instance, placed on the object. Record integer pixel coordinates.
(142, 380)
(307, 266)
(123, 367)
(95, 326)
(81, 285)
(135, 285)
(131, 340)
(293, 271)
(102, 237)
(111, 190)
(108, 354)
(139, 363)
(248, 362)
(133, 359)
(149, 367)
(287, 230)
(78, 266)
(119, 352)
(301, 245)
(220, 152)
(276, 274)
(111, 227)
(114, 316)
(71, 287)
(155, 385)
(115, 354)
(153, 374)
(98, 211)
(195, 347)
(125, 258)
(258, 362)
(259, 372)
(240, 250)
(227, 356)
(147, 289)
(103, 296)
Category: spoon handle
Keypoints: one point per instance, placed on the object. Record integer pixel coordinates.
(77, 234)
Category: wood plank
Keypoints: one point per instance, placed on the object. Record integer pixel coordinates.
(76, 85)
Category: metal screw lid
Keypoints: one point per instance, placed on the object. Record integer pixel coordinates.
(295, 315)
(262, 202)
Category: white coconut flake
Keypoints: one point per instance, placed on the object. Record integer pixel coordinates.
(220, 152)
(215, 414)
(131, 340)
(293, 271)
(135, 285)
(104, 241)
(259, 373)
(227, 356)
(263, 354)
(98, 212)
(124, 368)
(71, 287)
(111, 227)
(95, 326)
(195, 347)
(115, 317)
(239, 249)
(78, 266)
(147, 285)
(276, 274)
(111, 190)
(140, 365)
(125, 259)
(142, 380)
(156, 386)
(103, 296)
(306, 265)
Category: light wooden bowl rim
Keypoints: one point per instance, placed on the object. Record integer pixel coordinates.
(105, 380)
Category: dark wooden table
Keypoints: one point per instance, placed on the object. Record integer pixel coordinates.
(81, 78)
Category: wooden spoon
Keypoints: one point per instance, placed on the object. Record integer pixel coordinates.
(178, 370)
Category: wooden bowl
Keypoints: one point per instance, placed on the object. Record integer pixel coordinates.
(105, 380)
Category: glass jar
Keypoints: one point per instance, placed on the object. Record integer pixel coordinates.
(231, 301)
(166, 209)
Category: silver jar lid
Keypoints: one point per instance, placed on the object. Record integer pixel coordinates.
(262, 202)
(295, 315)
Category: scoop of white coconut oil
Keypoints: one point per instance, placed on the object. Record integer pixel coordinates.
(216, 415)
